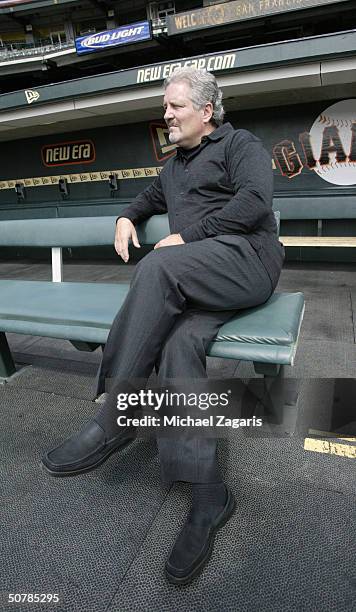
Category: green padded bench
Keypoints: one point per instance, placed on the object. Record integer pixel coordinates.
(83, 312)
(329, 219)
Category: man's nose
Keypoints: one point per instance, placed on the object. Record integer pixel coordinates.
(168, 114)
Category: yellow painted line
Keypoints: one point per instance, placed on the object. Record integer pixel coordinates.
(330, 434)
(331, 448)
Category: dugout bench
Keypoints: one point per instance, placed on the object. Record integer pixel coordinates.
(329, 220)
(82, 312)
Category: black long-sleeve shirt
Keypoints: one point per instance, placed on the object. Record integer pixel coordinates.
(223, 186)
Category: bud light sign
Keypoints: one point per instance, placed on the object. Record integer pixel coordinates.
(135, 32)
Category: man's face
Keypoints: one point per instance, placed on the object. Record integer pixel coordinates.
(186, 124)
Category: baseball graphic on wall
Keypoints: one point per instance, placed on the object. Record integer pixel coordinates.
(333, 141)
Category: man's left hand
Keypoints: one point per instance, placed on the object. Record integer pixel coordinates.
(170, 240)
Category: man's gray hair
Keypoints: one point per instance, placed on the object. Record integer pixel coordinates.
(204, 89)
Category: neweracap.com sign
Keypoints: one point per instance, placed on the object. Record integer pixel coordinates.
(135, 32)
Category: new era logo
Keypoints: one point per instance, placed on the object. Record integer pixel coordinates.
(162, 147)
(31, 95)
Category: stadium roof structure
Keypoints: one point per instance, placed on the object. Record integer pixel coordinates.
(287, 72)
(11, 6)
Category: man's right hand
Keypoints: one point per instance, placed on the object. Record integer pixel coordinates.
(125, 231)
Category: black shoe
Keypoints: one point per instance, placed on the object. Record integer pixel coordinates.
(194, 544)
(85, 451)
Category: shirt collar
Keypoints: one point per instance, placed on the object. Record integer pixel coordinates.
(217, 134)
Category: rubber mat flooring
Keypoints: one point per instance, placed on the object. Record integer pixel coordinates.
(100, 540)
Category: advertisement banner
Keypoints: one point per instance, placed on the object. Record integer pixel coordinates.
(124, 35)
(237, 10)
(312, 148)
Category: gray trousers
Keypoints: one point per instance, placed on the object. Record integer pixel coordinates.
(179, 297)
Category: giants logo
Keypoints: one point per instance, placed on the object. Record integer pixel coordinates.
(329, 148)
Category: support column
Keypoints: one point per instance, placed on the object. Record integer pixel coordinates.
(7, 366)
(267, 369)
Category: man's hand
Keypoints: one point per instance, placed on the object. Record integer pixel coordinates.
(170, 240)
(125, 231)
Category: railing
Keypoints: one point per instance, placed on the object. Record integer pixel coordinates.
(37, 48)
(14, 50)
(159, 26)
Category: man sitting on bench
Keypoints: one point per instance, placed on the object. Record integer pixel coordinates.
(222, 255)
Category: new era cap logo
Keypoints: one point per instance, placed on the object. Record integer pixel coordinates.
(31, 95)
(163, 149)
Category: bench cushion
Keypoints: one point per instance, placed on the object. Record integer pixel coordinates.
(267, 333)
(79, 231)
(85, 311)
(76, 232)
(315, 206)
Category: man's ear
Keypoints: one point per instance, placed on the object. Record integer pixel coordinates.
(207, 112)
